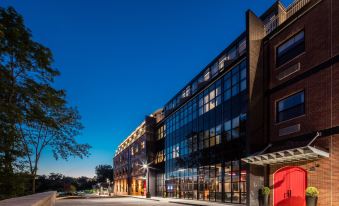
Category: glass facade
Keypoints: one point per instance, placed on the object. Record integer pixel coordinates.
(231, 54)
(202, 149)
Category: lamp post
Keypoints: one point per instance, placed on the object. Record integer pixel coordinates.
(148, 194)
(109, 186)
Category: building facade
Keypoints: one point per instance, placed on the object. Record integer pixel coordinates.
(265, 112)
(130, 157)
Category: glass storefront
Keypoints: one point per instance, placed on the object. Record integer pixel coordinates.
(215, 183)
(201, 162)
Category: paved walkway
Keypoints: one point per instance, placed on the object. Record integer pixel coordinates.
(183, 201)
(132, 201)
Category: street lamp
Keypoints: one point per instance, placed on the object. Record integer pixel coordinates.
(109, 186)
(148, 194)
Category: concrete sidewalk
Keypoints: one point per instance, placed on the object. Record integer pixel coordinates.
(184, 201)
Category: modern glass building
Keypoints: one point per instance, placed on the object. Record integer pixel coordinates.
(204, 136)
(255, 116)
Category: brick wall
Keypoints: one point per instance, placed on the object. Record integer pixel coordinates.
(321, 26)
(325, 176)
(318, 87)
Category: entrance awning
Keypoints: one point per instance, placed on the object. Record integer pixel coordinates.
(290, 151)
(290, 155)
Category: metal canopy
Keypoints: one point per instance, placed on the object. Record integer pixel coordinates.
(290, 155)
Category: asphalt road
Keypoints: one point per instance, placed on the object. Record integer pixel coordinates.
(111, 202)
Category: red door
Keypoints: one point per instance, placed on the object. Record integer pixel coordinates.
(289, 186)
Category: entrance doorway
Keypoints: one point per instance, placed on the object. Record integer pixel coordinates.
(289, 184)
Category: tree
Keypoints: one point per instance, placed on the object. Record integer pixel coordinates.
(34, 115)
(104, 172)
(50, 123)
(21, 60)
(59, 182)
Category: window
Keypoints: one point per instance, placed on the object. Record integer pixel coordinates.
(207, 75)
(159, 157)
(161, 133)
(222, 62)
(214, 69)
(235, 81)
(290, 107)
(232, 54)
(194, 87)
(290, 49)
(186, 92)
(210, 99)
(242, 46)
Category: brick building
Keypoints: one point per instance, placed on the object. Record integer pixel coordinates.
(300, 64)
(129, 174)
(265, 112)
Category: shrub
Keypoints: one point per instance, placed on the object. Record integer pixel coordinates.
(312, 192)
(265, 191)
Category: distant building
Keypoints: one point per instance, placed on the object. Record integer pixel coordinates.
(265, 112)
(129, 174)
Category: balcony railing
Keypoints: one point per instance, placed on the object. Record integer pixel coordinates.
(272, 24)
(295, 6)
(275, 21)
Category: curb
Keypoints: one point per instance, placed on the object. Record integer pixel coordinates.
(142, 198)
(186, 203)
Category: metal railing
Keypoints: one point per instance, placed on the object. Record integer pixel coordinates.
(295, 6)
(290, 10)
(272, 24)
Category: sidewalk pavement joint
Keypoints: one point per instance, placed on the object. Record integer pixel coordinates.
(183, 201)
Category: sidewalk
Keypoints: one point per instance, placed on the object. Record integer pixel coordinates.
(184, 201)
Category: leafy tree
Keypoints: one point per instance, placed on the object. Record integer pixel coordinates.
(104, 172)
(53, 125)
(61, 183)
(33, 114)
(21, 61)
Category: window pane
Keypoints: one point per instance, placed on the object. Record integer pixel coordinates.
(290, 49)
(218, 91)
(227, 84)
(291, 101)
(243, 74)
(227, 125)
(235, 122)
(218, 129)
(235, 78)
(291, 113)
(212, 94)
(235, 90)
(212, 104)
(243, 85)
(214, 69)
(290, 107)
(218, 101)
(227, 95)
(206, 108)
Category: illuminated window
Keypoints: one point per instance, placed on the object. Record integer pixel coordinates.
(210, 99)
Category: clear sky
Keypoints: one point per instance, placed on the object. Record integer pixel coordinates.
(122, 59)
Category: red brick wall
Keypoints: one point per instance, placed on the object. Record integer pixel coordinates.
(321, 93)
(335, 27)
(325, 177)
(317, 116)
(318, 87)
(316, 24)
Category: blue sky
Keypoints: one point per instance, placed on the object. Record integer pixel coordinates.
(122, 60)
